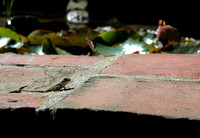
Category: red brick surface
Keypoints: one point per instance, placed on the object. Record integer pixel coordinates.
(176, 96)
(163, 98)
(12, 78)
(51, 60)
(186, 66)
(14, 100)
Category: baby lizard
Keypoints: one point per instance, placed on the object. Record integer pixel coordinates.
(60, 85)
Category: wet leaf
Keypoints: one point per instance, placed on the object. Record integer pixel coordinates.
(184, 48)
(76, 38)
(38, 36)
(4, 41)
(8, 49)
(7, 32)
(49, 49)
(62, 52)
(152, 49)
(117, 42)
(130, 46)
(24, 50)
(21, 50)
(118, 35)
(36, 48)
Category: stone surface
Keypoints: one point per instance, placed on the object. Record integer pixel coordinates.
(12, 78)
(158, 85)
(185, 66)
(50, 60)
(163, 98)
(16, 100)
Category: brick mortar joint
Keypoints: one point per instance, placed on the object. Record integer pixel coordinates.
(160, 78)
(78, 79)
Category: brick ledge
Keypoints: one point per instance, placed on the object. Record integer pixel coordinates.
(102, 90)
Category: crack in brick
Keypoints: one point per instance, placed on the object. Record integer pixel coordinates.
(19, 90)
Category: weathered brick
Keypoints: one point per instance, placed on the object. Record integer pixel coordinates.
(13, 78)
(168, 97)
(186, 66)
(51, 60)
(16, 100)
(155, 97)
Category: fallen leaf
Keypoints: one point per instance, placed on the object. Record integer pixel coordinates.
(21, 50)
(38, 36)
(130, 46)
(7, 32)
(77, 38)
(50, 49)
(183, 48)
(118, 35)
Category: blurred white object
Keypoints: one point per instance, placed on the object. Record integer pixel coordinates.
(77, 4)
(77, 16)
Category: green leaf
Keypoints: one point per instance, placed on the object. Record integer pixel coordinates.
(76, 38)
(4, 41)
(152, 49)
(62, 52)
(184, 48)
(21, 50)
(117, 35)
(24, 50)
(130, 46)
(8, 49)
(49, 49)
(7, 32)
(38, 36)
(36, 48)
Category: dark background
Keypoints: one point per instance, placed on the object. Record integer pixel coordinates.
(26, 122)
(183, 15)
